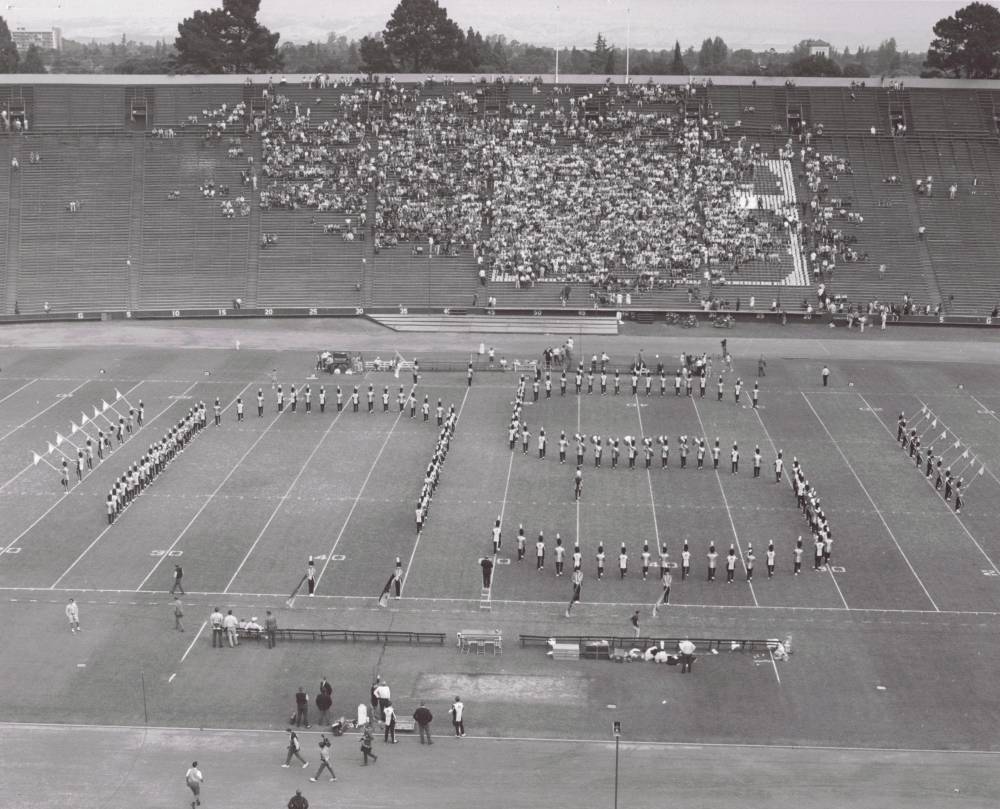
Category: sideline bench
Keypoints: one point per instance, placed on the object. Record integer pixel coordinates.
(370, 635)
(607, 647)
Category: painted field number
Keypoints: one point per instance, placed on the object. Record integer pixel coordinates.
(990, 572)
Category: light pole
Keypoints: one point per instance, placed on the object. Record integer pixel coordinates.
(616, 729)
(628, 40)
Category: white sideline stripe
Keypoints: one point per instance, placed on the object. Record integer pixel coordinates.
(786, 476)
(18, 390)
(892, 536)
(201, 731)
(357, 500)
(283, 498)
(413, 553)
(42, 412)
(578, 406)
(951, 511)
(725, 502)
(47, 511)
(218, 488)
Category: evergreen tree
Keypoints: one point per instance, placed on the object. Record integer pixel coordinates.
(32, 61)
(226, 40)
(967, 43)
(677, 66)
(420, 36)
(374, 55)
(8, 51)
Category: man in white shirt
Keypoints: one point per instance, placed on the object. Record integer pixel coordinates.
(686, 648)
(194, 780)
(457, 712)
(73, 615)
(389, 718)
(231, 624)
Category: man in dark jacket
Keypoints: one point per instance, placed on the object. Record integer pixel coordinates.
(323, 703)
(301, 708)
(298, 801)
(422, 716)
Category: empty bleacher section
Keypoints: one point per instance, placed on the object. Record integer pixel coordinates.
(74, 221)
(453, 161)
(191, 254)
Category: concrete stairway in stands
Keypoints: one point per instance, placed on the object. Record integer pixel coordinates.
(498, 324)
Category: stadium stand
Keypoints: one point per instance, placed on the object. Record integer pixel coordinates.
(354, 179)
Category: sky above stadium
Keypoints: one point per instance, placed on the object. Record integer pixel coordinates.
(756, 24)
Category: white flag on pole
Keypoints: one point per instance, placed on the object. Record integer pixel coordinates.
(35, 458)
(84, 418)
(59, 439)
(51, 448)
(957, 444)
(104, 405)
(965, 454)
(73, 428)
(934, 423)
(982, 470)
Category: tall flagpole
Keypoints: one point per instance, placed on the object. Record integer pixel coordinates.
(628, 40)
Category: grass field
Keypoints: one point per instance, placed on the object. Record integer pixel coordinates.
(913, 604)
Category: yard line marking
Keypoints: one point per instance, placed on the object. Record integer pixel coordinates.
(927, 480)
(283, 498)
(871, 500)
(18, 390)
(578, 401)
(218, 488)
(194, 640)
(785, 475)
(110, 453)
(770, 654)
(649, 479)
(413, 553)
(725, 502)
(59, 400)
(62, 497)
(992, 414)
(357, 499)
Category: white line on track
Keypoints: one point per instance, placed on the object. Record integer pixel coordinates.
(357, 500)
(413, 553)
(194, 640)
(689, 745)
(45, 513)
(217, 489)
(60, 400)
(725, 502)
(787, 477)
(18, 390)
(578, 407)
(284, 497)
(927, 480)
(871, 500)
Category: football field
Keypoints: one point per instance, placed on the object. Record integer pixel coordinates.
(894, 646)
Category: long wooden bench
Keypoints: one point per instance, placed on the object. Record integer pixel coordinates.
(370, 635)
(591, 646)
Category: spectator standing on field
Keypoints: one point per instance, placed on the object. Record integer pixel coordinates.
(298, 801)
(194, 780)
(73, 615)
(389, 717)
(423, 717)
(216, 620)
(323, 703)
(301, 708)
(178, 614)
(457, 712)
(271, 627)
